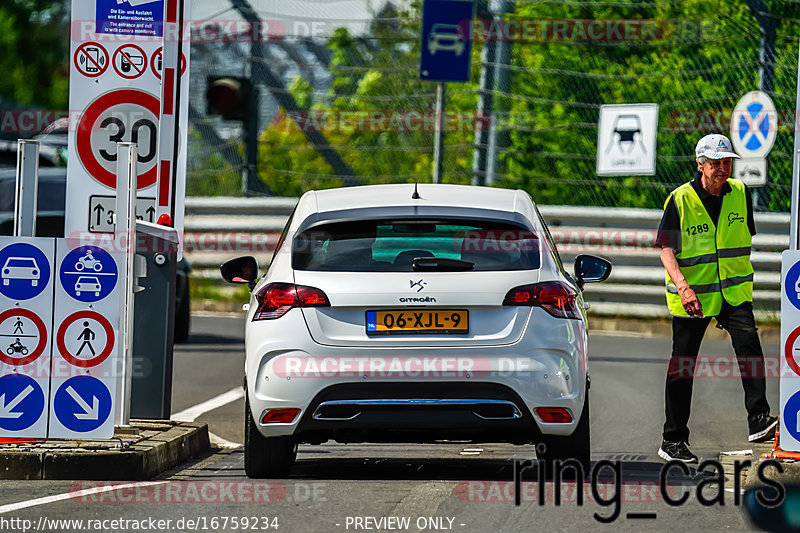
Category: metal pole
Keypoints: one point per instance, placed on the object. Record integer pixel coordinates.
(26, 190)
(438, 139)
(793, 241)
(125, 227)
(485, 103)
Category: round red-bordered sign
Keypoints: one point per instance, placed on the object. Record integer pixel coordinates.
(99, 358)
(787, 351)
(33, 317)
(154, 59)
(86, 125)
(132, 58)
(86, 62)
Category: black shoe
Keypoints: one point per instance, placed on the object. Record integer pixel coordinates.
(676, 450)
(763, 427)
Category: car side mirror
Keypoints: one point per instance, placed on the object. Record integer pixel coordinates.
(591, 269)
(240, 270)
(776, 510)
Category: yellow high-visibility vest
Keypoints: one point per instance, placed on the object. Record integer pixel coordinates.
(715, 258)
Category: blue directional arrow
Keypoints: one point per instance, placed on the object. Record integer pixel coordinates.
(21, 402)
(82, 403)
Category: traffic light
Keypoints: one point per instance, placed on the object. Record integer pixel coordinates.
(228, 96)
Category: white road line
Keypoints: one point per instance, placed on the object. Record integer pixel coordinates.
(75, 494)
(193, 413)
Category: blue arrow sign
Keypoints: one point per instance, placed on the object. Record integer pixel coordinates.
(446, 40)
(82, 403)
(792, 285)
(790, 411)
(21, 402)
(88, 273)
(24, 271)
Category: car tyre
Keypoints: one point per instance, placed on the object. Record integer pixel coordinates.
(183, 317)
(266, 457)
(576, 446)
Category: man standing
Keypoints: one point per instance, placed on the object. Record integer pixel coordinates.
(705, 236)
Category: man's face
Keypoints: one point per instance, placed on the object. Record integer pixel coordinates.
(716, 170)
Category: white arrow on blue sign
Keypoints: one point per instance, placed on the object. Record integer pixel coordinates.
(82, 404)
(21, 402)
(446, 40)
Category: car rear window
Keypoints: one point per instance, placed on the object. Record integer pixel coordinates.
(392, 245)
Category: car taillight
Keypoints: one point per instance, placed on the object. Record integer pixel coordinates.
(554, 415)
(558, 299)
(275, 299)
(280, 416)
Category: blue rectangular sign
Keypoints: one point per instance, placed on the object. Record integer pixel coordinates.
(446, 40)
(130, 17)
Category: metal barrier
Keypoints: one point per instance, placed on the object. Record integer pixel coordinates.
(223, 227)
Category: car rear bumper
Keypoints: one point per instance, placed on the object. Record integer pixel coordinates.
(546, 368)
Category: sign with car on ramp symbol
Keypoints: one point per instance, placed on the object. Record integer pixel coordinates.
(626, 140)
(21, 406)
(446, 48)
(82, 405)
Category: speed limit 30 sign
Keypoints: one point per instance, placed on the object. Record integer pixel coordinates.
(125, 115)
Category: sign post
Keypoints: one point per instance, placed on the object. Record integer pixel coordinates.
(27, 187)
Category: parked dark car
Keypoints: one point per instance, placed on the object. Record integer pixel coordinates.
(51, 195)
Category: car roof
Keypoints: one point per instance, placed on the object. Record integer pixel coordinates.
(431, 195)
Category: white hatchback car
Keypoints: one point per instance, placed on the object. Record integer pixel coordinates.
(404, 313)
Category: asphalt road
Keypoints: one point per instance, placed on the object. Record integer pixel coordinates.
(458, 487)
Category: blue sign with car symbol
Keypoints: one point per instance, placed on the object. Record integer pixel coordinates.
(21, 402)
(446, 40)
(82, 403)
(24, 271)
(88, 273)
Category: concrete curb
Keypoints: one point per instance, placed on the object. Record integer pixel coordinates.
(790, 475)
(154, 447)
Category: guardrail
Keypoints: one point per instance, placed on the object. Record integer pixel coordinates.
(217, 229)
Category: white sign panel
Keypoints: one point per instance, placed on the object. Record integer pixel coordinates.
(754, 125)
(101, 209)
(790, 351)
(115, 88)
(626, 140)
(86, 320)
(753, 172)
(26, 308)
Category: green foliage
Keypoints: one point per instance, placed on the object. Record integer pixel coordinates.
(33, 52)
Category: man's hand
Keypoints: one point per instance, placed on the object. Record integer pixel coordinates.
(690, 302)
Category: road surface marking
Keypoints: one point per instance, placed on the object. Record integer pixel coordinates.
(193, 413)
(72, 495)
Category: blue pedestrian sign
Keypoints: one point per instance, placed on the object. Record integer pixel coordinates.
(82, 404)
(21, 402)
(24, 271)
(754, 125)
(88, 273)
(446, 47)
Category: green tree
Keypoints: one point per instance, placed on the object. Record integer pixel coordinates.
(33, 52)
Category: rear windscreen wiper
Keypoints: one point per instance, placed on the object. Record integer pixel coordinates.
(427, 264)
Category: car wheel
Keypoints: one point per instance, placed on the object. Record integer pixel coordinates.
(576, 446)
(266, 457)
(183, 316)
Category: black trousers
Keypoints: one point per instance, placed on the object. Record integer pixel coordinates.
(687, 334)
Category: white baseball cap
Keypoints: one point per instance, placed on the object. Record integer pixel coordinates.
(714, 146)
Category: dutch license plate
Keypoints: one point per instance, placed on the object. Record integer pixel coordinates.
(418, 321)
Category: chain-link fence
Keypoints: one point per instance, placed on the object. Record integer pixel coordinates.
(341, 101)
